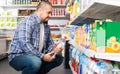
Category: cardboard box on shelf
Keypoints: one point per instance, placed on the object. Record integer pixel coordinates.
(106, 37)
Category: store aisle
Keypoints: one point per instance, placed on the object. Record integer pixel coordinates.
(6, 69)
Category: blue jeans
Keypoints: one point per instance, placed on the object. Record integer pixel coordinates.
(30, 64)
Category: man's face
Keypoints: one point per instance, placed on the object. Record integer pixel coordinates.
(46, 13)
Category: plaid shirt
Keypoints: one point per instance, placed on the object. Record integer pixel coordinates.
(26, 38)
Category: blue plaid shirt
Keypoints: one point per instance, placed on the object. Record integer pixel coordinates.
(26, 38)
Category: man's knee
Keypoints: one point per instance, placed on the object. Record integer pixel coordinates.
(28, 64)
(34, 66)
(59, 59)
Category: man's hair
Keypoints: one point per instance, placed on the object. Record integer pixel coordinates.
(43, 3)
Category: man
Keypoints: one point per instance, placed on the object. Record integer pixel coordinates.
(25, 54)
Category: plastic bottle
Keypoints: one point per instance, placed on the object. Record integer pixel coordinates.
(116, 69)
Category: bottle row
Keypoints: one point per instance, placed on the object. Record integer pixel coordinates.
(34, 2)
(19, 2)
(57, 12)
(81, 64)
(59, 2)
(75, 7)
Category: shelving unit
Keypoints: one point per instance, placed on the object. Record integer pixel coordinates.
(52, 17)
(59, 17)
(31, 7)
(15, 8)
(8, 28)
(7, 18)
(98, 9)
(56, 28)
(91, 53)
(89, 12)
(5, 37)
(13, 28)
(88, 52)
(19, 6)
(28, 6)
(11, 16)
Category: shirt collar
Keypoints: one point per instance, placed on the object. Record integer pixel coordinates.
(37, 18)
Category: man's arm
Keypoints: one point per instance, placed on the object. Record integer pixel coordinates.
(50, 42)
(52, 46)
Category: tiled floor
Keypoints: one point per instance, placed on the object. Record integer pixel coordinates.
(6, 69)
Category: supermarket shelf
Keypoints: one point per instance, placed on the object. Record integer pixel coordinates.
(88, 52)
(52, 17)
(8, 28)
(108, 56)
(99, 9)
(59, 17)
(5, 37)
(18, 6)
(91, 53)
(55, 28)
(28, 6)
(58, 28)
(79, 20)
(7, 22)
(9, 39)
(72, 68)
(12, 16)
(59, 5)
(31, 7)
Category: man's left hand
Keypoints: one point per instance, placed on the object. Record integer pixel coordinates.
(58, 50)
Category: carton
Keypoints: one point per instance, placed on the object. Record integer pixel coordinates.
(77, 35)
(106, 37)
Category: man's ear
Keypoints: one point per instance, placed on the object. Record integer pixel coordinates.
(40, 9)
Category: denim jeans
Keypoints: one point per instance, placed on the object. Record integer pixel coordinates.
(30, 64)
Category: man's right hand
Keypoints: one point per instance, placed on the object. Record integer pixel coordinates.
(48, 57)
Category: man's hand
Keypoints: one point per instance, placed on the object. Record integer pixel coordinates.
(48, 57)
(58, 50)
(58, 47)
